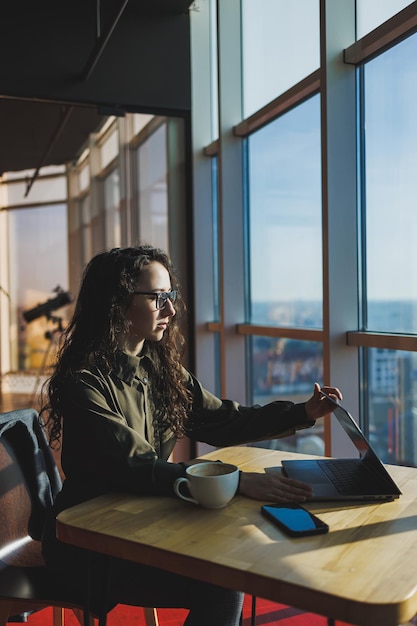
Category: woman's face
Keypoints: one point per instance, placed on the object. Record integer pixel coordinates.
(148, 322)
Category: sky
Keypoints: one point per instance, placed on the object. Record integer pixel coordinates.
(285, 192)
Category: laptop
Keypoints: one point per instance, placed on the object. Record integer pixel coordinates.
(363, 478)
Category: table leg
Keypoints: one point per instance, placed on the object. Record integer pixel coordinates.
(102, 618)
(253, 612)
(105, 586)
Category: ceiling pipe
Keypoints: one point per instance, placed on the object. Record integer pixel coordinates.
(100, 45)
(101, 41)
(54, 139)
(98, 19)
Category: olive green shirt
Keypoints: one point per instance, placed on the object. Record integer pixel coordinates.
(109, 441)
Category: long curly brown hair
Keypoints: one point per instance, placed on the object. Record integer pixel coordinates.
(91, 338)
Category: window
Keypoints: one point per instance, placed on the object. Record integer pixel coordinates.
(390, 90)
(280, 43)
(372, 13)
(111, 192)
(36, 224)
(108, 143)
(285, 249)
(34, 275)
(390, 259)
(86, 242)
(285, 260)
(151, 172)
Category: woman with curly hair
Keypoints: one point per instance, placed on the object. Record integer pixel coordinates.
(120, 399)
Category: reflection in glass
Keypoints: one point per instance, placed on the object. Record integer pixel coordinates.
(391, 188)
(286, 369)
(285, 234)
(280, 47)
(392, 404)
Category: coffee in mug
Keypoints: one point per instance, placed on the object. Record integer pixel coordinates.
(211, 484)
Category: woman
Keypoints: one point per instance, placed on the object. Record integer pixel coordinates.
(122, 399)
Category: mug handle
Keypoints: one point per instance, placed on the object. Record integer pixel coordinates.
(177, 490)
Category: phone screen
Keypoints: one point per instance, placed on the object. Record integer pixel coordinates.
(294, 519)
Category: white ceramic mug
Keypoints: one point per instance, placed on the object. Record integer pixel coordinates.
(211, 484)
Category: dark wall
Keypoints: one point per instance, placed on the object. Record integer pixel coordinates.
(46, 46)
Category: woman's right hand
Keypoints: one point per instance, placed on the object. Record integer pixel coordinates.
(273, 487)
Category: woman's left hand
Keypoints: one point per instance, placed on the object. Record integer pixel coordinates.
(318, 406)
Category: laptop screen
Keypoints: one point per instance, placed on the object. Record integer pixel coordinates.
(352, 429)
(362, 444)
(357, 437)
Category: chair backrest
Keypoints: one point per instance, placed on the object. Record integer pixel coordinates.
(16, 546)
(19, 498)
(16, 500)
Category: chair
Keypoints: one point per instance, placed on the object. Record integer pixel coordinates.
(29, 480)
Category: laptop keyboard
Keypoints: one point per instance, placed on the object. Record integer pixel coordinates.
(348, 476)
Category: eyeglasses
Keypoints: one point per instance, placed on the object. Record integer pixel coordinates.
(161, 298)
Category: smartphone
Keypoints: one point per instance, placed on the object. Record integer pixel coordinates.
(294, 519)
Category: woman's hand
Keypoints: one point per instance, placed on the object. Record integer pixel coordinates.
(273, 487)
(318, 406)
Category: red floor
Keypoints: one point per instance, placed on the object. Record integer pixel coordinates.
(267, 613)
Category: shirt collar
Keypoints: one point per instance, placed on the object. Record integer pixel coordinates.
(127, 367)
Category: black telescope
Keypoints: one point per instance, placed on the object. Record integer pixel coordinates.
(46, 308)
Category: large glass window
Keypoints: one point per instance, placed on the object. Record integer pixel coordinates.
(391, 189)
(285, 260)
(299, 304)
(280, 47)
(390, 256)
(285, 235)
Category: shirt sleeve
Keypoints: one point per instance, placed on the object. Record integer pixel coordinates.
(224, 422)
(105, 449)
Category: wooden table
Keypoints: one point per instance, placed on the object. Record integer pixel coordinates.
(364, 571)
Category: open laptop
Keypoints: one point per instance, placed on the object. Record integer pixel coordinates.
(363, 478)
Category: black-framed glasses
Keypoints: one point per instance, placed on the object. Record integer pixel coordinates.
(161, 297)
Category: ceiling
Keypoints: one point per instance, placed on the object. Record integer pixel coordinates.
(67, 65)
